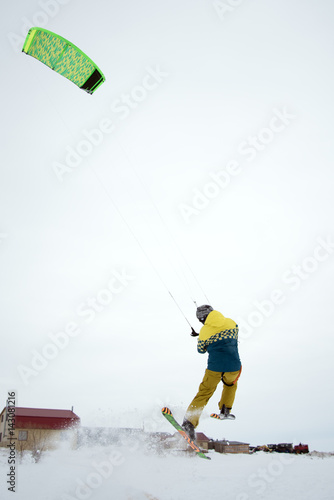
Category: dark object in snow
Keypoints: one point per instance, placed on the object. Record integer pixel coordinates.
(301, 448)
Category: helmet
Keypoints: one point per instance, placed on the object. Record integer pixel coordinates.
(202, 312)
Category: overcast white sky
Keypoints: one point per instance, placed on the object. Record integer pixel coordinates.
(215, 134)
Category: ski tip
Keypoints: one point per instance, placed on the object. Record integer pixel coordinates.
(202, 454)
(214, 415)
(166, 411)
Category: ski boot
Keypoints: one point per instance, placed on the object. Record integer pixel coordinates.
(225, 414)
(189, 429)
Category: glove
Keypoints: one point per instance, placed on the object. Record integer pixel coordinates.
(193, 333)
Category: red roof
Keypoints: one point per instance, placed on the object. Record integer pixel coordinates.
(202, 437)
(40, 418)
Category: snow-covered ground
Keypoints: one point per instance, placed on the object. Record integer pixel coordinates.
(134, 472)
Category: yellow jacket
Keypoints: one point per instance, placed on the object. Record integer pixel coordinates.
(219, 337)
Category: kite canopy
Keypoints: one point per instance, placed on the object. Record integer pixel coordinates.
(64, 58)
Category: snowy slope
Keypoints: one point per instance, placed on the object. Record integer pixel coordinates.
(132, 473)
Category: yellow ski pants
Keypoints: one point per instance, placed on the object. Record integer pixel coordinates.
(207, 388)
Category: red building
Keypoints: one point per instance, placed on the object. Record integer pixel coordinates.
(37, 428)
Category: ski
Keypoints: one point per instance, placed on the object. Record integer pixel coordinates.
(222, 417)
(169, 416)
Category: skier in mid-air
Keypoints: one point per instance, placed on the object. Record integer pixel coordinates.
(218, 337)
